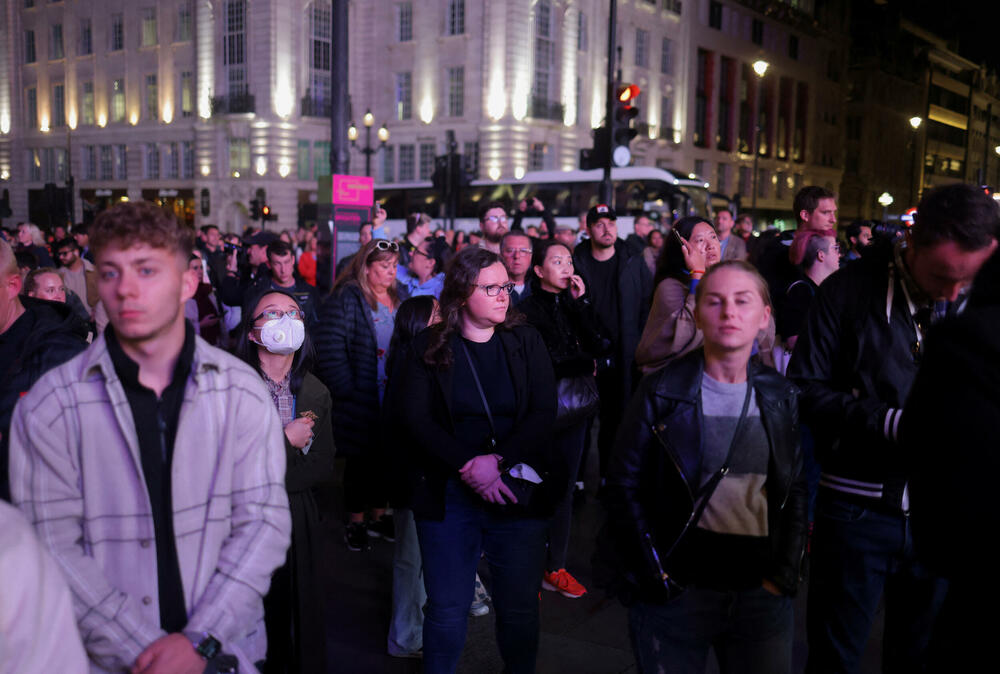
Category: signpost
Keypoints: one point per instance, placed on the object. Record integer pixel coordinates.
(351, 199)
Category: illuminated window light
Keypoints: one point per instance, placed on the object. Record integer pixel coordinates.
(44, 126)
(4, 174)
(427, 111)
(284, 169)
(519, 172)
(5, 123)
(236, 174)
(205, 170)
(71, 120)
(261, 166)
(134, 119)
(102, 120)
(494, 173)
(168, 113)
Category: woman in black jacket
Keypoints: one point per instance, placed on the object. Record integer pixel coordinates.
(480, 399)
(559, 310)
(705, 493)
(352, 344)
(274, 342)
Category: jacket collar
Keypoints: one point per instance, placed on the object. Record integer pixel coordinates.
(97, 359)
(684, 380)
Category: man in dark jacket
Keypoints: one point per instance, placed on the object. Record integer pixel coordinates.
(855, 361)
(620, 288)
(35, 336)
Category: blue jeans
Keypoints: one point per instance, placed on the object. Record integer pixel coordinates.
(751, 631)
(857, 554)
(514, 548)
(406, 629)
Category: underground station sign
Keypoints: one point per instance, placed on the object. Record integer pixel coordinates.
(352, 198)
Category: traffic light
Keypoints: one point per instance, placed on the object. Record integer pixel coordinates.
(255, 209)
(265, 213)
(596, 157)
(622, 132)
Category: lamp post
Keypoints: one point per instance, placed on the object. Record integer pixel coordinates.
(383, 135)
(915, 122)
(885, 199)
(760, 67)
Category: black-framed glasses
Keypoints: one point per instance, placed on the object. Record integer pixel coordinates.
(276, 314)
(493, 289)
(385, 244)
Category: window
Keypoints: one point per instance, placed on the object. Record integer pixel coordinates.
(701, 101)
(727, 82)
(388, 164)
(152, 99)
(779, 184)
(404, 21)
(87, 104)
(31, 101)
(89, 162)
(407, 161)
(757, 31)
(744, 186)
(118, 101)
(187, 159)
(86, 45)
(303, 160)
(544, 51)
(239, 156)
(456, 17)
(666, 56)
(29, 46)
(793, 46)
(117, 34)
(666, 119)
(56, 42)
(319, 57)
(582, 38)
(58, 105)
(426, 160)
(762, 183)
(185, 22)
(106, 163)
(149, 38)
(187, 94)
(151, 154)
(173, 161)
(470, 155)
(404, 97)
(715, 15)
(642, 48)
(34, 165)
(722, 177)
(456, 91)
(321, 159)
(536, 156)
(234, 47)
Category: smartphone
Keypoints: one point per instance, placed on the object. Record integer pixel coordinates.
(673, 230)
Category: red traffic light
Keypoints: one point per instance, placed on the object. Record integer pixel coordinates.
(628, 92)
(265, 210)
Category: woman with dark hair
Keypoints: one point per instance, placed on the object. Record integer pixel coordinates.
(425, 273)
(706, 500)
(352, 342)
(480, 403)
(559, 309)
(272, 339)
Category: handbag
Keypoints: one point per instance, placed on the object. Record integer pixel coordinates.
(576, 399)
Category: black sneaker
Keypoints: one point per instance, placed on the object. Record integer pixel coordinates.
(384, 527)
(356, 537)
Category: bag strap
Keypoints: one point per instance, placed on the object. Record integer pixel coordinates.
(705, 493)
(482, 395)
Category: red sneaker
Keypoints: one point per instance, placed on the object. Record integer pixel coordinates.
(562, 582)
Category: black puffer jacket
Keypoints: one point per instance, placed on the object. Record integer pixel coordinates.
(55, 334)
(568, 328)
(346, 362)
(656, 463)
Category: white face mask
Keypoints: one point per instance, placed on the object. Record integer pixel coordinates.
(283, 335)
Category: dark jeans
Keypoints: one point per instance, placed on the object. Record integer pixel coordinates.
(365, 484)
(613, 402)
(750, 630)
(515, 550)
(857, 554)
(569, 444)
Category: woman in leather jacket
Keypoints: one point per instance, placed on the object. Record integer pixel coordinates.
(706, 501)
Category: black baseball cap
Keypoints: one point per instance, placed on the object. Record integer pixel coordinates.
(600, 211)
(260, 239)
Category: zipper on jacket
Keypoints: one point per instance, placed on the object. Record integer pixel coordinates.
(657, 429)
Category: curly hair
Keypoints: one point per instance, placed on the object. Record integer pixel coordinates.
(125, 225)
(459, 283)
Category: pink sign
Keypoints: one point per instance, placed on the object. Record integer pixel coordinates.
(353, 191)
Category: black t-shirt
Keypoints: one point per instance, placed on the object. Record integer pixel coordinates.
(604, 295)
(471, 424)
(797, 300)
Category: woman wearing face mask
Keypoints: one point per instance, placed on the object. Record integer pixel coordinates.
(558, 308)
(273, 341)
(706, 501)
(352, 345)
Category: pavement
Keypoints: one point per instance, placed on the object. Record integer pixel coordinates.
(578, 636)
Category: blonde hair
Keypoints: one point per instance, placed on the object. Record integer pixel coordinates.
(37, 238)
(738, 265)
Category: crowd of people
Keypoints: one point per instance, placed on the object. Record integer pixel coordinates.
(172, 402)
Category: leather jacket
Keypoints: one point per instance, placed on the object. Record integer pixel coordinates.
(655, 469)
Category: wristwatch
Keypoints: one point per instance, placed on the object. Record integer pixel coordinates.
(204, 644)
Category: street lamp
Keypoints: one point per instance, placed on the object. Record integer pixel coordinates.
(383, 135)
(760, 67)
(915, 122)
(885, 199)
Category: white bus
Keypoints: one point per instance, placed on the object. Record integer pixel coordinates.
(566, 194)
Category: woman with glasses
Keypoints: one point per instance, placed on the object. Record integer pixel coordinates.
(480, 399)
(352, 342)
(273, 340)
(706, 501)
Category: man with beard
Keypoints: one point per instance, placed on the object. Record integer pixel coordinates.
(493, 223)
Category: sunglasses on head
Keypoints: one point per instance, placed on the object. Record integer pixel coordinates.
(385, 244)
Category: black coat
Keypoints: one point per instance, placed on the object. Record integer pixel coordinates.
(346, 362)
(436, 454)
(568, 328)
(635, 291)
(294, 604)
(656, 464)
(55, 334)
